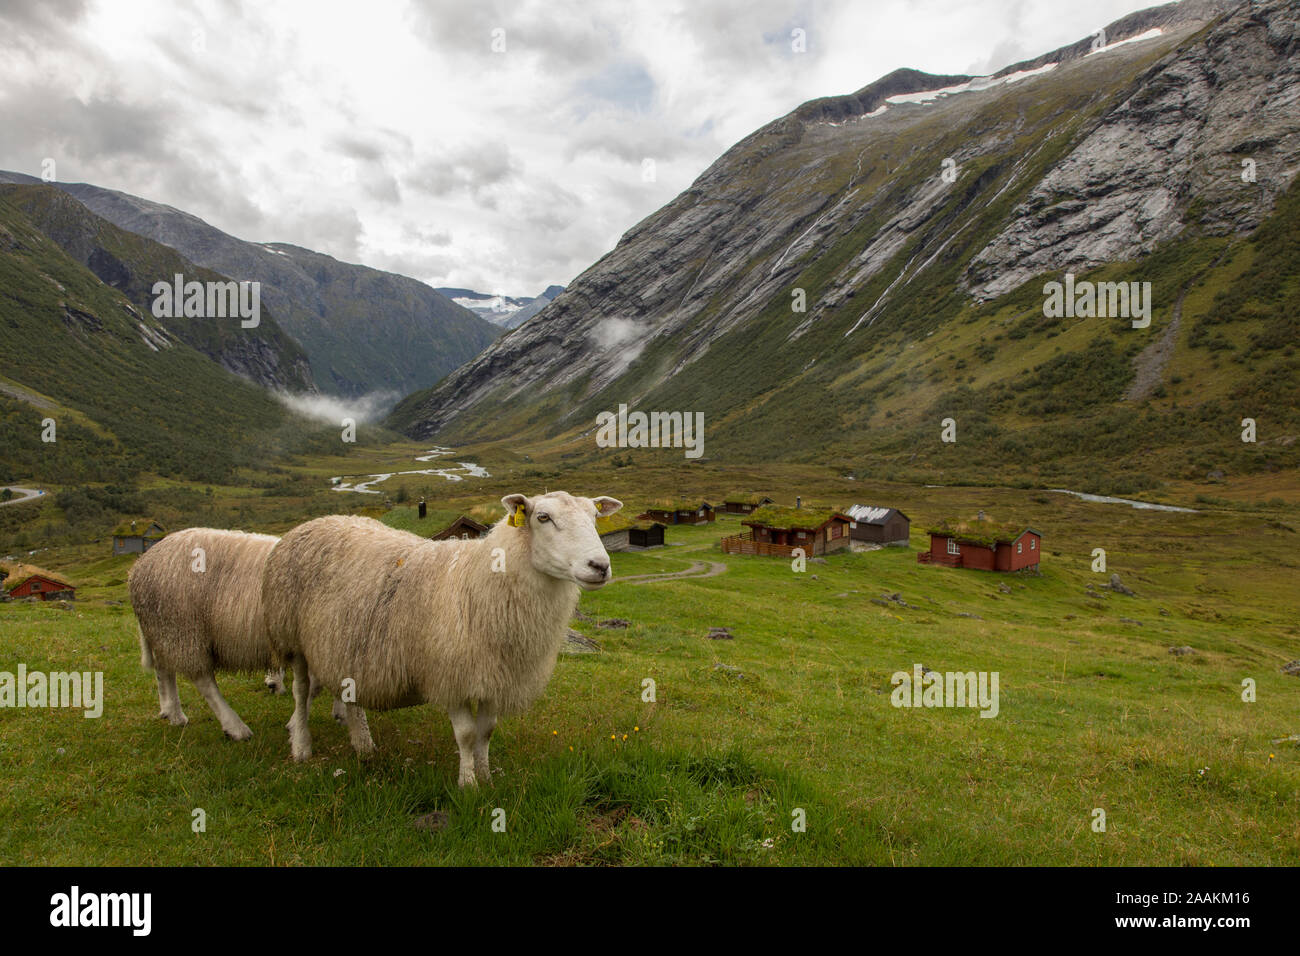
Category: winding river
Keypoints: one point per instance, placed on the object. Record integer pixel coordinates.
(463, 470)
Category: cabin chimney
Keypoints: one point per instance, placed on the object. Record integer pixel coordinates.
(980, 516)
(798, 502)
(423, 508)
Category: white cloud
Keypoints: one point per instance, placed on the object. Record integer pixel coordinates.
(357, 131)
(333, 410)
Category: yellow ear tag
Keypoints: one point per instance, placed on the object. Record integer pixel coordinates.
(517, 519)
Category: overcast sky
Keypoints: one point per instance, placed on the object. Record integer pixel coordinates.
(392, 133)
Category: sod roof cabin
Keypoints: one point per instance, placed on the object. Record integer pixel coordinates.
(621, 533)
(137, 536)
(983, 545)
(774, 530)
(27, 580)
(463, 527)
(877, 524)
(744, 504)
(668, 511)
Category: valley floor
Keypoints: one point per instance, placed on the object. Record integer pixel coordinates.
(791, 720)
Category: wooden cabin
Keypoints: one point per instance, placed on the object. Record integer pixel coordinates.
(983, 546)
(137, 537)
(646, 535)
(463, 527)
(774, 530)
(33, 582)
(745, 504)
(667, 512)
(880, 525)
(620, 533)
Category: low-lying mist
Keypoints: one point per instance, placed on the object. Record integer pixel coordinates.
(334, 409)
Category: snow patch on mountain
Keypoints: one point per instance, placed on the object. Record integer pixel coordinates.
(1149, 35)
(972, 85)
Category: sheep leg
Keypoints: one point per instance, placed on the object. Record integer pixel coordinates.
(466, 731)
(299, 732)
(339, 709)
(169, 700)
(235, 728)
(358, 728)
(485, 722)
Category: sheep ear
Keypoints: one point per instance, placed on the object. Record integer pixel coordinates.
(606, 506)
(513, 503)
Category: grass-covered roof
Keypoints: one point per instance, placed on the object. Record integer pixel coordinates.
(976, 531)
(673, 504)
(619, 521)
(18, 573)
(142, 525)
(777, 516)
(615, 522)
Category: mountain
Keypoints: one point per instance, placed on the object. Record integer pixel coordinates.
(845, 278)
(502, 310)
(363, 330)
(95, 389)
(130, 263)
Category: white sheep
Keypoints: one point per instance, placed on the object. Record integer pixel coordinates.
(470, 626)
(197, 596)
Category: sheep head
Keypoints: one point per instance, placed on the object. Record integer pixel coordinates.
(563, 542)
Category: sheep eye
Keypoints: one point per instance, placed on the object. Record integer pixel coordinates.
(543, 516)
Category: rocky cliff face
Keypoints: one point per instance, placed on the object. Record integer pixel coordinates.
(1168, 156)
(914, 202)
(363, 330)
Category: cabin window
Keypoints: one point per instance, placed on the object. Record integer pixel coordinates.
(1020, 547)
(802, 535)
(36, 585)
(1032, 544)
(952, 547)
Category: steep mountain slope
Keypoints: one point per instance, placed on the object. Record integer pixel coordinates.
(362, 329)
(918, 219)
(130, 263)
(506, 311)
(125, 393)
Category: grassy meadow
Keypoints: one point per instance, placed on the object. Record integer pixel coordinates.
(793, 714)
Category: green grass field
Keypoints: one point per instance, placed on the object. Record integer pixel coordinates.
(793, 714)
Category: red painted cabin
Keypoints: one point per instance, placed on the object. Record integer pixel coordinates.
(47, 589)
(1014, 554)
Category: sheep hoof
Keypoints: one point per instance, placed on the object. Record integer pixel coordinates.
(242, 732)
(176, 720)
(300, 756)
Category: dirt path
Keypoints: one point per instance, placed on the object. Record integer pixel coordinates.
(698, 569)
(21, 494)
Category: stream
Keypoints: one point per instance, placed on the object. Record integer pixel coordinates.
(463, 470)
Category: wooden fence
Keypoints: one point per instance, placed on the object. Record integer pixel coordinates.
(744, 543)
